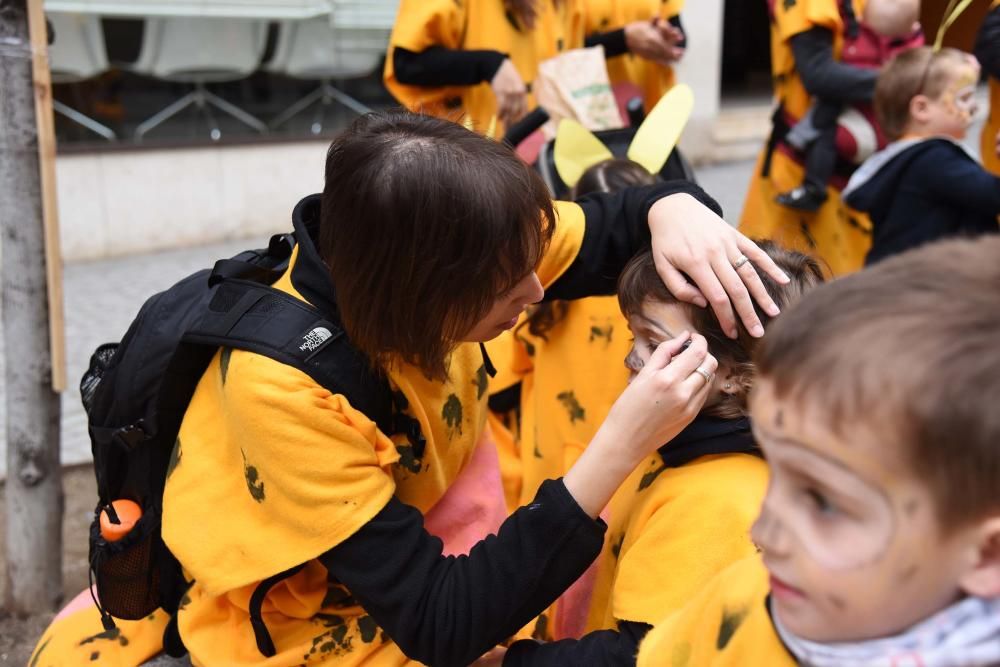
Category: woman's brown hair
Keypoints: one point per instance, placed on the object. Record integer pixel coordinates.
(423, 225)
(640, 283)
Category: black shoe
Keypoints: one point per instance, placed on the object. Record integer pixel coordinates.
(806, 197)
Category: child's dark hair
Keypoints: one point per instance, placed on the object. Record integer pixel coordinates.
(611, 176)
(640, 283)
(607, 176)
(906, 351)
(919, 71)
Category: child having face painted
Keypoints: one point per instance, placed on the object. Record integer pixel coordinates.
(925, 186)
(876, 409)
(685, 513)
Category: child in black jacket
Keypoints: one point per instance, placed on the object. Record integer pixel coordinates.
(925, 186)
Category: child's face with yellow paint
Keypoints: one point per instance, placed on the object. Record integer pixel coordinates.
(955, 108)
(848, 533)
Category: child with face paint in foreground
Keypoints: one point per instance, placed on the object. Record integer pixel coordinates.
(925, 186)
(875, 407)
(684, 514)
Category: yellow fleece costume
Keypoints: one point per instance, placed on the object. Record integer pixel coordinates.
(473, 25)
(605, 15)
(570, 377)
(672, 530)
(725, 625)
(989, 139)
(270, 471)
(836, 233)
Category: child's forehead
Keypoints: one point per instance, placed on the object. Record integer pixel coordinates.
(962, 74)
(871, 443)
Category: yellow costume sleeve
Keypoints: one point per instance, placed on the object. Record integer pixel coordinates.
(272, 465)
(725, 625)
(702, 528)
(421, 24)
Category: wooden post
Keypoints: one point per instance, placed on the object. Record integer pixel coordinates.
(34, 484)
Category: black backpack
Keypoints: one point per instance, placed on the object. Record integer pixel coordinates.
(136, 391)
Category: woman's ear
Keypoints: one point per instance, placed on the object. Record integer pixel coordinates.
(982, 579)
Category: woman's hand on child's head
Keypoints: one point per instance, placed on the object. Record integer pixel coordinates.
(688, 238)
(666, 394)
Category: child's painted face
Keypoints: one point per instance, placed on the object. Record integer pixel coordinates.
(954, 110)
(655, 323)
(848, 533)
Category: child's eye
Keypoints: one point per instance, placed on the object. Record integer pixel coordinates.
(821, 503)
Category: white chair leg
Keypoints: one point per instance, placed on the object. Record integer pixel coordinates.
(83, 120)
(236, 112)
(168, 113)
(345, 99)
(297, 108)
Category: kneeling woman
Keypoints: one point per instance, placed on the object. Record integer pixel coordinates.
(427, 240)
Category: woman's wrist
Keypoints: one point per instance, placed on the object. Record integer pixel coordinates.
(605, 463)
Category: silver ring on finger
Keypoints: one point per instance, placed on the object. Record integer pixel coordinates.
(740, 261)
(705, 374)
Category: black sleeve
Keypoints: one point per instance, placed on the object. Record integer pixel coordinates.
(450, 610)
(988, 43)
(614, 41)
(438, 66)
(617, 227)
(826, 78)
(604, 648)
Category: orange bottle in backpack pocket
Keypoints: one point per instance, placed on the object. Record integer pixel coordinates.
(129, 514)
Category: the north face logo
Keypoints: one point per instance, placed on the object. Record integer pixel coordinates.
(312, 340)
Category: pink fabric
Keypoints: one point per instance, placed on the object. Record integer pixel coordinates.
(473, 506)
(574, 605)
(80, 602)
(528, 149)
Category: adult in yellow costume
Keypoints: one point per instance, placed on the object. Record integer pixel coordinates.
(806, 39)
(654, 78)
(477, 59)
(988, 52)
(299, 524)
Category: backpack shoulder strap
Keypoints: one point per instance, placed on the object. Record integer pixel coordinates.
(247, 315)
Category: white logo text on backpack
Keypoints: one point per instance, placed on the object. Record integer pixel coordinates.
(312, 340)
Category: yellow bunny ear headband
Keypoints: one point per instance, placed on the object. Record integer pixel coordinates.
(577, 149)
(954, 9)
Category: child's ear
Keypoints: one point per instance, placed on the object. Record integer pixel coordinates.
(919, 108)
(730, 382)
(983, 578)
